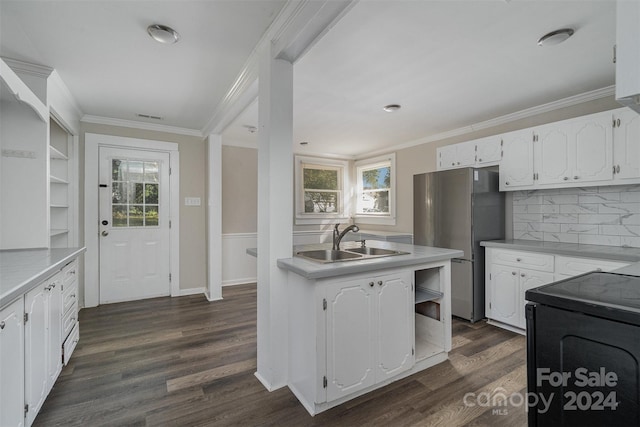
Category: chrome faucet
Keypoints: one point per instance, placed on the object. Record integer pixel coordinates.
(337, 235)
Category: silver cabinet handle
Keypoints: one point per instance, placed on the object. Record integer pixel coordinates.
(1, 325)
(565, 178)
(518, 259)
(513, 273)
(506, 183)
(618, 122)
(575, 177)
(458, 162)
(379, 282)
(618, 169)
(479, 160)
(105, 233)
(73, 295)
(521, 274)
(371, 284)
(453, 164)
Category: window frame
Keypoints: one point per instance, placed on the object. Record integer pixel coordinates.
(388, 160)
(342, 166)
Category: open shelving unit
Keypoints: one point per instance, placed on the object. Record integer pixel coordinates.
(429, 325)
(60, 176)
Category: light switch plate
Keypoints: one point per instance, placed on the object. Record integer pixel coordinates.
(192, 201)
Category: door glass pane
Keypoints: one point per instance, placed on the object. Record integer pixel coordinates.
(136, 215)
(135, 193)
(150, 215)
(151, 171)
(151, 194)
(119, 215)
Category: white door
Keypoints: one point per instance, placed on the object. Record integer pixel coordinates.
(593, 148)
(350, 337)
(516, 169)
(447, 157)
(504, 294)
(626, 146)
(134, 224)
(12, 366)
(489, 150)
(395, 320)
(466, 154)
(551, 153)
(528, 280)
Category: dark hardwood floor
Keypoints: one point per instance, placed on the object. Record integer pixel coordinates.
(187, 362)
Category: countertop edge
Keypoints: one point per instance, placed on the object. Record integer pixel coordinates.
(28, 284)
(613, 253)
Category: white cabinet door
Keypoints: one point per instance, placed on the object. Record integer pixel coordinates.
(35, 333)
(395, 322)
(350, 337)
(54, 333)
(488, 150)
(447, 157)
(626, 144)
(551, 153)
(466, 154)
(504, 294)
(593, 148)
(12, 364)
(628, 54)
(529, 279)
(516, 169)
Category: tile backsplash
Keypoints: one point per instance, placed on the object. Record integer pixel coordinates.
(592, 215)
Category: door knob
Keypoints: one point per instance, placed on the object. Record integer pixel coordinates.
(105, 233)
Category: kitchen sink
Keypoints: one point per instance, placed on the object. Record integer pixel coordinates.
(350, 254)
(329, 255)
(366, 250)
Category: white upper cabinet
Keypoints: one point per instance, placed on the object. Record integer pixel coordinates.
(516, 169)
(592, 155)
(628, 54)
(551, 153)
(488, 150)
(626, 145)
(456, 156)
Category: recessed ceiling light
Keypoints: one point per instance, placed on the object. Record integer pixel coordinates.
(304, 143)
(391, 108)
(148, 116)
(251, 129)
(163, 34)
(555, 37)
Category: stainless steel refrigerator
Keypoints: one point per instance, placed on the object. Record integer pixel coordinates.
(458, 209)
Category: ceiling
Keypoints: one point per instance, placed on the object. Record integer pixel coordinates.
(450, 64)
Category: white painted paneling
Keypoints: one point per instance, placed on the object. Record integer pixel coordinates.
(238, 266)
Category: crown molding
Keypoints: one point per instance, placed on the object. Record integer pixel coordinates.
(508, 118)
(140, 125)
(28, 68)
(230, 142)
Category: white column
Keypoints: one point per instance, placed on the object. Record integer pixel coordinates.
(214, 217)
(275, 214)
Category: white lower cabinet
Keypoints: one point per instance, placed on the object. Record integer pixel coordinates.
(12, 364)
(369, 332)
(36, 349)
(506, 280)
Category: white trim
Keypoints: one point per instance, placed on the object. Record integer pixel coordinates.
(62, 104)
(319, 218)
(214, 217)
(191, 291)
(28, 68)
(243, 281)
(229, 236)
(92, 257)
(231, 142)
(372, 162)
(140, 125)
(508, 118)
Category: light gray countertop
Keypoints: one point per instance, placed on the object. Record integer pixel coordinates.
(615, 253)
(315, 270)
(21, 270)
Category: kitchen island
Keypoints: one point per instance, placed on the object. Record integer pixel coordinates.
(358, 325)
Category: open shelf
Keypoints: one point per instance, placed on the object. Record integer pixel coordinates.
(54, 153)
(423, 295)
(56, 180)
(57, 232)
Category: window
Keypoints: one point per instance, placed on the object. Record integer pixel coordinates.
(134, 196)
(320, 190)
(376, 190)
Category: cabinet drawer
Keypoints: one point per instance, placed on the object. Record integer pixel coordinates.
(69, 319)
(70, 344)
(573, 266)
(531, 260)
(70, 271)
(69, 297)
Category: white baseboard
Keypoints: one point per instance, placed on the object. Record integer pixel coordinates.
(191, 291)
(243, 281)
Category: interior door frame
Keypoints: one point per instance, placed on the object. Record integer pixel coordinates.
(93, 142)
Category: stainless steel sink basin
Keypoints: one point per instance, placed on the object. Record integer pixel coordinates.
(366, 250)
(328, 255)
